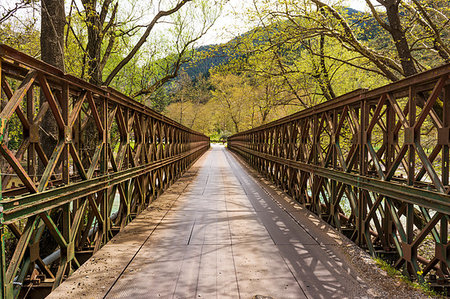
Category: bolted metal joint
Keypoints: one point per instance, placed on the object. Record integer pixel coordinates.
(34, 133)
(411, 136)
(34, 251)
(407, 250)
(69, 251)
(334, 138)
(3, 124)
(67, 134)
(443, 136)
(442, 252)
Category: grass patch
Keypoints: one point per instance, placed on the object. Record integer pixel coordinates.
(392, 272)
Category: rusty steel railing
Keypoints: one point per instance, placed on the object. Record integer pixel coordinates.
(374, 164)
(77, 198)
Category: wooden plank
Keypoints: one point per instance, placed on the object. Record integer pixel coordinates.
(217, 276)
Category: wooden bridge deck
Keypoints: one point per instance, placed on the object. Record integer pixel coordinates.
(216, 233)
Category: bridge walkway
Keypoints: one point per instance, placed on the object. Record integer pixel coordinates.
(217, 233)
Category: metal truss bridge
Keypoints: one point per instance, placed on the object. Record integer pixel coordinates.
(124, 202)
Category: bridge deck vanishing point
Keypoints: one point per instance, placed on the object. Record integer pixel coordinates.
(217, 233)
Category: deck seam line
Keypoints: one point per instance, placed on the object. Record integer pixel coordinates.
(206, 183)
(293, 275)
(231, 244)
(190, 234)
(184, 255)
(198, 273)
(179, 272)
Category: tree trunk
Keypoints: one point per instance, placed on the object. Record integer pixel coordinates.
(398, 34)
(52, 52)
(52, 32)
(94, 44)
(236, 125)
(89, 136)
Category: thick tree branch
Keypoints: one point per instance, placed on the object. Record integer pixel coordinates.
(377, 16)
(349, 38)
(8, 13)
(170, 75)
(104, 11)
(425, 20)
(143, 39)
(112, 20)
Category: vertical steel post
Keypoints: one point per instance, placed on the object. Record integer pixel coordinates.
(412, 254)
(31, 154)
(3, 291)
(104, 167)
(2, 247)
(444, 246)
(363, 169)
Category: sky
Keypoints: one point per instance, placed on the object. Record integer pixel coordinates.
(357, 4)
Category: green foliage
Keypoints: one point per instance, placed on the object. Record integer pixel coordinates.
(22, 35)
(298, 56)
